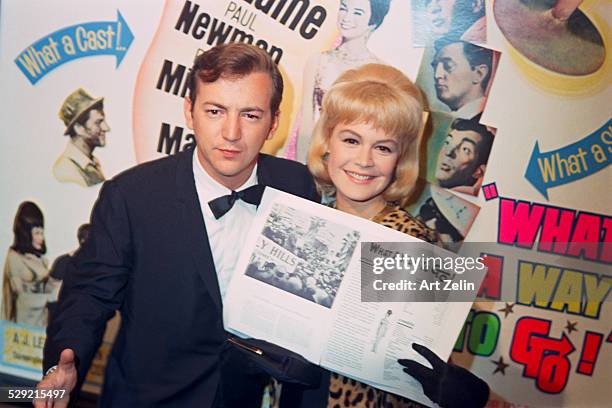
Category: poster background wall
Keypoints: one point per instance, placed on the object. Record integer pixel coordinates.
(526, 105)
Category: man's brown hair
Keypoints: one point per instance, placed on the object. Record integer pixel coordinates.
(235, 60)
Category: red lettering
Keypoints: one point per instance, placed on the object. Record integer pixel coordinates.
(522, 350)
(585, 237)
(556, 228)
(554, 373)
(519, 224)
(491, 284)
(545, 358)
(606, 250)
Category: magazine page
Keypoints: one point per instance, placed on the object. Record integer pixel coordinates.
(309, 281)
(292, 269)
(372, 327)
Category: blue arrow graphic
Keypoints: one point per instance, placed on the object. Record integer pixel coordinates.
(572, 162)
(74, 42)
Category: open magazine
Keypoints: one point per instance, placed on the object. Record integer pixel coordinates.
(299, 285)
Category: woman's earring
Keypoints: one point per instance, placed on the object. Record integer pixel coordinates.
(325, 156)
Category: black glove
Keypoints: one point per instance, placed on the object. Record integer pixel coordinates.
(447, 385)
(280, 363)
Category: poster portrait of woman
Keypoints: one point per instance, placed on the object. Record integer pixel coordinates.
(27, 286)
(458, 19)
(357, 20)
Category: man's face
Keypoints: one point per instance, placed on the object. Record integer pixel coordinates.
(457, 159)
(456, 82)
(93, 131)
(439, 15)
(231, 119)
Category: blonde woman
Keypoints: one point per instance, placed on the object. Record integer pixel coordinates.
(365, 149)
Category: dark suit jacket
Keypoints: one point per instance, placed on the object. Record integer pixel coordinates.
(148, 256)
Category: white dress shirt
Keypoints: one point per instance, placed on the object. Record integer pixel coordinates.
(226, 235)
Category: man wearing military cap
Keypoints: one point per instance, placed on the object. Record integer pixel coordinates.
(86, 125)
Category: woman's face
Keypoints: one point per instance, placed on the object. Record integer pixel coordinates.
(354, 18)
(38, 237)
(440, 15)
(361, 162)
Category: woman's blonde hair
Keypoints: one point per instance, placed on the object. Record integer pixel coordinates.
(383, 97)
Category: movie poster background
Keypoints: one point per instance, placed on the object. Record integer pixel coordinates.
(535, 111)
(33, 134)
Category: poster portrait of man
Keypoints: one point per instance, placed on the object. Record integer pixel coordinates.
(86, 126)
(462, 159)
(456, 77)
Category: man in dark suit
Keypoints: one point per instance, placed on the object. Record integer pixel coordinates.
(162, 256)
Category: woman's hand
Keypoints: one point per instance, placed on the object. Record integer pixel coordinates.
(447, 385)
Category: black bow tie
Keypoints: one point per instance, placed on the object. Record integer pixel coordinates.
(223, 204)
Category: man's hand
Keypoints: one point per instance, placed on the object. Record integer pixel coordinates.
(448, 385)
(63, 378)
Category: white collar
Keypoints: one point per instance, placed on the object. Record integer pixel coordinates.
(211, 187)
(470, 109)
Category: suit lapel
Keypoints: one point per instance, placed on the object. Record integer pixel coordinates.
(194, 227)
(263, 172)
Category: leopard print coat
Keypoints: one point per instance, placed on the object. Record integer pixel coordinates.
(400, 220)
